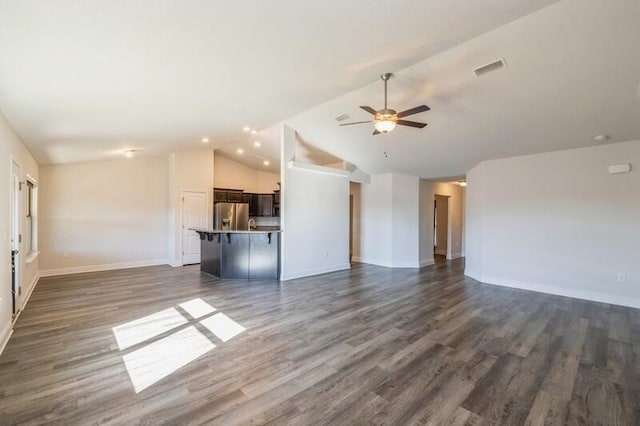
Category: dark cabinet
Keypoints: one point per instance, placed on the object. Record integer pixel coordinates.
(234, 196)
(219, 195)
(259, 204)
(253, 205)
(265, 205)
(222, 195)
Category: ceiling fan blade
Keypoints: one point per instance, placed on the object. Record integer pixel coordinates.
(416, 110)
(356, 122)
(369, 110)
(376, 132)
(411, 123)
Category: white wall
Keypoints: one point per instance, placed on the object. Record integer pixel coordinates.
(389, 221)
(11, 146)
(456, 196)
(558, 223)
(376, 220)
(188, 171)
(234, 175)
(314, 218)
(103, 213)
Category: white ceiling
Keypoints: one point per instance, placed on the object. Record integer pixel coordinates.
(573, 73)
(85, 79)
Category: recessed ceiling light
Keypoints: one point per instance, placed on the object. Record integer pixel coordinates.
(240, 151)
(257, 144)
(129, 153)
(205, 140)
(462, 183)
(266, 162)
(601, 138)
(253, 132)
(246, 129)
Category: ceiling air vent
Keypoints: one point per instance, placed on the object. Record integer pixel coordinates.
(493, 66)
(342, 117)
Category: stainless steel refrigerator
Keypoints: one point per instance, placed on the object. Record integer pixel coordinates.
(231, 216)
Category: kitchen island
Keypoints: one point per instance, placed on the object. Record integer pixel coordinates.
(252, 255)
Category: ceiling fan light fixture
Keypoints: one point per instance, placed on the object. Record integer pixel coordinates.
(385, 123)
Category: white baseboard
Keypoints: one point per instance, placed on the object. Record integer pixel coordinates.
(32, 287)
(376, 262)
(385, 264)
(315, 271)
(562, 291)
(104, 267)
(175, 264)
(5, 334)
(427, 262)
(454, 256)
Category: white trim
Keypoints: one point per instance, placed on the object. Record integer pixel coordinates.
(563, 291)
(315, 271)
(32, 287)
(454, 256)
(104, 267)
(385, 264)
(175, 264)
(374, 262)
(4, 336)
(427, 262)
(31, 257)
(318, 169)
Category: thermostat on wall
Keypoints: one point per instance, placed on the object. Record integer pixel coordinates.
(619, 168)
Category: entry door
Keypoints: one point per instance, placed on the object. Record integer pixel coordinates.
(15, 237)
(194, 215)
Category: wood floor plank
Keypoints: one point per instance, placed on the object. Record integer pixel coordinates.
(369, 345)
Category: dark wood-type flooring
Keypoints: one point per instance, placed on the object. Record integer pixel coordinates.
(366, 346)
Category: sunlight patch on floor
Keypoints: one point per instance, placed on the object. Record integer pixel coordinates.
(197, 308)
(222, 326)
(158, 359)
(145, 328)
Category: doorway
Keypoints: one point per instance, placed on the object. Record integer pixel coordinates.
(440, 225)
(16, 239)
(194, 215)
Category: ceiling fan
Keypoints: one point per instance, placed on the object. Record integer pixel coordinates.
(385, 120)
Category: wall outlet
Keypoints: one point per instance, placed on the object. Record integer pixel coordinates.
(326, 254)
(622, 277)
(66, 253)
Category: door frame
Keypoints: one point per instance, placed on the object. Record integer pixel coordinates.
(15, 227)
(209, 215)
(449, 224)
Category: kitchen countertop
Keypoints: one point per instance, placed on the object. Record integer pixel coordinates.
(226, 231)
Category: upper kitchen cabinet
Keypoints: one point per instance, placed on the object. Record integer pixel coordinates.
(265, 204)
(223, 195)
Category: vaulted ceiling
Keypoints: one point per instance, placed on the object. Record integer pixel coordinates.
(84, 80)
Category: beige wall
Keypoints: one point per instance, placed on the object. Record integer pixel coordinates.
(231, 174)
(103, 213)
(11, 146)
(188, 171)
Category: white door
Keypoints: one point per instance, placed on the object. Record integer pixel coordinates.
(194, 215)
(16, 275)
